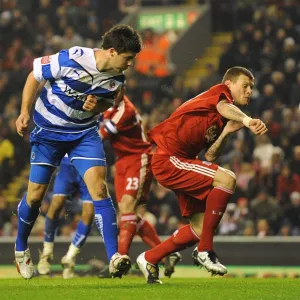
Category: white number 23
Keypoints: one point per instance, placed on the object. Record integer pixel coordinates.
(133, 183)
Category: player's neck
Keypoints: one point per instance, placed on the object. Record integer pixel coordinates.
(102, 60)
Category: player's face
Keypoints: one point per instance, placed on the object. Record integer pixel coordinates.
(241, 90)
(120, 62)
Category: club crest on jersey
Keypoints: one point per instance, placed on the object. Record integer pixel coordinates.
(32, 156)
(211, 134)
(46, 60)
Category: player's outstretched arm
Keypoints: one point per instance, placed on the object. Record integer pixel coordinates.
(232, 112)
(29, 93)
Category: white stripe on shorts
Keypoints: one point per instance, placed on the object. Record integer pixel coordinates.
(192, 167)
(143, 171)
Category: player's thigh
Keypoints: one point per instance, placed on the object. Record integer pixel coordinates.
(120, 178)
(88, 153)
(65, 183)
(191, 176)
(95, 180)
(45, 156)
(138, 176)
(225, 178)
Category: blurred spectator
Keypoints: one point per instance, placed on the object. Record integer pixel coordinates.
(228, 224)
(292, 213)
(295, 161)
(263, 150)
(263, 228)
(287, 183)
(265, 207)
(212, 77)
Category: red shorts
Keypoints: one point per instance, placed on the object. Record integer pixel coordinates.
(190, 179)
(133, 176)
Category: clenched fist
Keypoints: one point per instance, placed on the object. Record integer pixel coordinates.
(22, 123)
(90, 103)
(257, 126)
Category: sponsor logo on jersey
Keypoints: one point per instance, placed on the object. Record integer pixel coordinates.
(74, 94)
(46, 60)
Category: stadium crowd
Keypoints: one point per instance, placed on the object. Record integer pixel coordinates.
(267, 41)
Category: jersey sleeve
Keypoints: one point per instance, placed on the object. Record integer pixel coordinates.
(125, 117)
(219, 92)
(107, 129)
(46, 68)
(225, 95)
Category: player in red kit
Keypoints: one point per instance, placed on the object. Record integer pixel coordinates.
(203, 188)
(122, 125)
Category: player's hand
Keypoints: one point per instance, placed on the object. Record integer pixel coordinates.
(90, 103)
(233, 126)
(22, 123)
(257, 126)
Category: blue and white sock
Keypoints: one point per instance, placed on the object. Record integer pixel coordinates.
(26, 218)
(106, 220)
(50, 229)
(82, 233)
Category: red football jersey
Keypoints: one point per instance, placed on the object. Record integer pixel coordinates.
(194, 126)
(122, 125)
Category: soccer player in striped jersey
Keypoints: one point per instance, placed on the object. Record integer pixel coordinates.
(67, 184)
(64, 125)
(203, 188)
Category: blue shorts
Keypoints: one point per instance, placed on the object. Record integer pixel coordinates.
(68, 182)
(85, 150)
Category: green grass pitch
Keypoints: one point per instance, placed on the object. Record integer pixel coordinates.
(135, 288)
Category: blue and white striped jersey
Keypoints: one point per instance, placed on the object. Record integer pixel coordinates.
(70, 76)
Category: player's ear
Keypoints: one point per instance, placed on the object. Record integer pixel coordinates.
(112, 52)
(228, 82)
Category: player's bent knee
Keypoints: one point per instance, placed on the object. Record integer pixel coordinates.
(56, 206)
(94, 179)
(127, 204)
(225, 178)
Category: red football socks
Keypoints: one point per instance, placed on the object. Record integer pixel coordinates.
(147, 233)
(216, 203)
(127, 226)
(182, 238)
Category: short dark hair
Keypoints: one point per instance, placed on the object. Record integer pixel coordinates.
(233, 74)
(122, 38)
